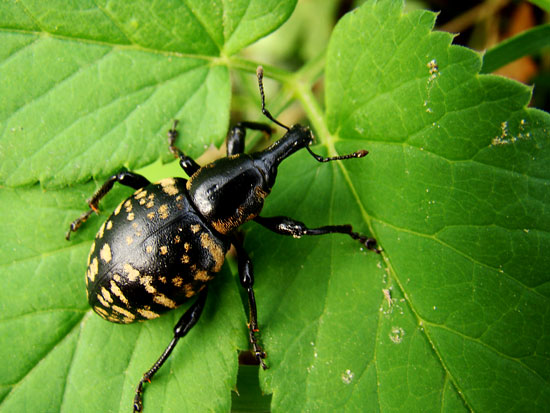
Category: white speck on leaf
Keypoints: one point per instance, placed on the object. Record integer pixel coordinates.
(347, 376)
(396, 334)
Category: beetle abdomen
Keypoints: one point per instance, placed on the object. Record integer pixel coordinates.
(161, 254)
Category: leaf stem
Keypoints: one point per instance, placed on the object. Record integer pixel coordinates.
(303, 83)
(315, 113)
(273, 72)
(313, 69)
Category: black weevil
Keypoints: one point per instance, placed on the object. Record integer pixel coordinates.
(163, 244)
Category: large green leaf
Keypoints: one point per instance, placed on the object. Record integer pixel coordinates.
(452, 316)
(87, 88)
(455, 316)
(103, 80)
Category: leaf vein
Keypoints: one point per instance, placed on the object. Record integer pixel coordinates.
(48, 351)
(201, 23)
(115, 22)
(487, 346)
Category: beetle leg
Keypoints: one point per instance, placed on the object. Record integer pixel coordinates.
(234, 143)
(185, 323)
(125, 178)
(246, 277)
(289, 226)
(187, 163)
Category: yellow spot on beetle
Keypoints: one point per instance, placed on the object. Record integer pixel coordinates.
(163, 211)
(189, 292)
(202, 275)
(150, 203)
(129, 240)
(177, 281)
(114, 318)
(106, 295)
(109, 224)
(215, 251)
(118, 208)
(105, 253)
(185, 259)
(151, 215)
(195, 228)
(102, 300)
(140, 193)
(101, 312)
(187, 247)
(169, 186)
(163, 300)
(163, 250)
(133, 274)
(93, 269)
(130, 216)
(148, 314)
(129, 316)
(115, 289)
(128, 205)
(149, 248)
(100, 232)
(146, 281)
(177, 239)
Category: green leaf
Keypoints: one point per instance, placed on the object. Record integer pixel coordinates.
(103, 80)
(452, 316)
(526, 43)
(87, 89)
(455, 189)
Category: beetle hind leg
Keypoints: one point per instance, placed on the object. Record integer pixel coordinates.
(184, 324)
(246, 277)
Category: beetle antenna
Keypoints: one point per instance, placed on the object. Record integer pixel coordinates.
(319, 158)
(260, 75)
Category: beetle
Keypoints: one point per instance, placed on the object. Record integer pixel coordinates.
(163, 244)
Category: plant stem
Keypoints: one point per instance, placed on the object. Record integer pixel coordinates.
(304, 80)
(313, 69)
(313, 110)
(273, 72)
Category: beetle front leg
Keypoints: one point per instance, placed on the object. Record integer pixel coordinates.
(234, 143)
(289, 226)
(125, 178)
(246, 277)
(187, 163)
(185, 323)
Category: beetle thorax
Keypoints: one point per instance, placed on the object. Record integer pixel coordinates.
(228, 192)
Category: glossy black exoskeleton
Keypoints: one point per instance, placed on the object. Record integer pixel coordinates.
(163, 244)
